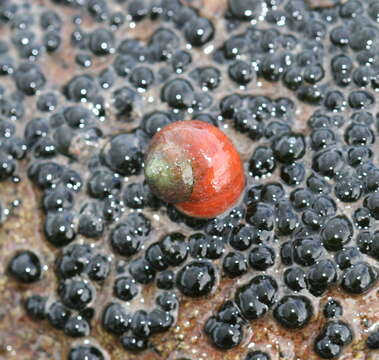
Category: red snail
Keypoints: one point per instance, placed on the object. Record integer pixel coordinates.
(195, 166)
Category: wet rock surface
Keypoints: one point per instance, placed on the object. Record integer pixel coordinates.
(96, 267)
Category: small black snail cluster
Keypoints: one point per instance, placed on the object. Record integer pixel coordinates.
(326, 59)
